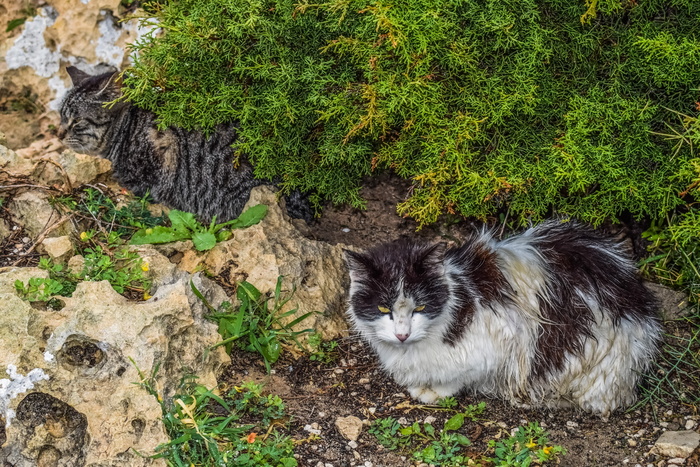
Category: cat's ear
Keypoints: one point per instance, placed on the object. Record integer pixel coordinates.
(435, 254)
(76, 76)
(110, 87)
(355, 261)
(432, 258)
(359, 264)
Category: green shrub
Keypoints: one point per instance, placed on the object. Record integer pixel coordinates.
(487, 105)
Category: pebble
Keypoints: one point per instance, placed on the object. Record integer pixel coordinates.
(677, 461)
(677, 444)
(403, 421)
(689, 424)
(352, 444)
(371, 410)
(364, 381)
(571, 424)
(338, 371)
(632, 443)
(369, 464)
(429, 419)
(313, 428)
(345, 229)
(349, 427)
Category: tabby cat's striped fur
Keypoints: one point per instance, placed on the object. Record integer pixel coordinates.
(181, 169)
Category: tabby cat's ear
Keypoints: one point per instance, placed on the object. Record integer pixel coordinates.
(76, 76)
(110, 87)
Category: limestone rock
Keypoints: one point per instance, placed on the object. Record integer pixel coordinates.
(33, 211)
(349, 427)
(13, 163)
(261, 253)
(59, 249)
(89, 411)
(79, 168)
(676, 443)
(4, 230)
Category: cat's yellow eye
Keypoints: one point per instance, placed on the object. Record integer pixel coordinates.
(419, 308)
(384, 309)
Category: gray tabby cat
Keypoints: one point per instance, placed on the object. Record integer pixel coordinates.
(181, 169)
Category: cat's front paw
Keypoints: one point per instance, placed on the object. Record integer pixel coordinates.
(424, 395)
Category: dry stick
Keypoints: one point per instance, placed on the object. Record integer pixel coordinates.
(41, 237)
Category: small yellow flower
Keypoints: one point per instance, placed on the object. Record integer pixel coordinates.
(146, 296)
(83, 236)
(530, 445)
(547, 449)
(144, 267)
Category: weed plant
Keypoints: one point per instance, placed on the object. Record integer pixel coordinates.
(445, 447)
(103, 248)
(239, 428)
(184, 226)
(259, 324)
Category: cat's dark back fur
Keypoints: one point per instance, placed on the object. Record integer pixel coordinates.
(181, 169)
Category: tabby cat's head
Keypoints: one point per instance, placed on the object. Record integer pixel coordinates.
(397, 290)
(85, 120)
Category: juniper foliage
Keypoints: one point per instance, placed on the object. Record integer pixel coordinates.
(527, 106)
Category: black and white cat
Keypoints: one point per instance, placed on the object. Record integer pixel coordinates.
(555, 316)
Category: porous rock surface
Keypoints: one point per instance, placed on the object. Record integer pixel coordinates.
(89, 411)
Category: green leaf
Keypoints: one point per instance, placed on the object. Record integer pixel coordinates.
(181, 219)
(455, 423)
(158, 234)
(250, 216)
(15, 23)
(204, 241)
(246, 290)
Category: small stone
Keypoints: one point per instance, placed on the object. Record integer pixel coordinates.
(353, 444)
(369, 464)
(676, 461)
(349, 427)
(59, 249)
(689, 424)
(632, 443)
(429, 419)
(676, 444)
(338, 371)
(345, 229)
(313, 429)
(571, 424)
(363, 381)
(403, 421)
(371, 410)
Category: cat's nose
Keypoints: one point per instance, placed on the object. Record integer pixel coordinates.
(401, 337)
(61, 133)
